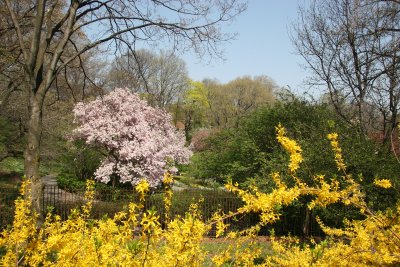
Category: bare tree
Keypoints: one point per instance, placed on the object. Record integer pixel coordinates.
(162, 77)
(57, 24)
(351, 48)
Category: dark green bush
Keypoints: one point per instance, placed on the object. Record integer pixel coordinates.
(78, 162)
(70, 183)
(250, 153)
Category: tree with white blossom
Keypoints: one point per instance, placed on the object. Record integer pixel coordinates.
(141, 141)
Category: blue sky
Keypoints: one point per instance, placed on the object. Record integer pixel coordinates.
(262, 47)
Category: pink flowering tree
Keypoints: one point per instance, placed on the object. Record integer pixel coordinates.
(140, 140)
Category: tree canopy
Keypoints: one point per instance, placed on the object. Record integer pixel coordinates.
(351, 48)
(141, 141)
(46, 38)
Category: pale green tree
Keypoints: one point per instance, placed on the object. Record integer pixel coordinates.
(230, 102)
(195, 107)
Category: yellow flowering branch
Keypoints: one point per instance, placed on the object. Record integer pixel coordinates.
(135, 237)
(291, 147)
(167, 181)
(333, 138)
(142, 188)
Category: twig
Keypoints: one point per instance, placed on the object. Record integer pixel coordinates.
(392, 144)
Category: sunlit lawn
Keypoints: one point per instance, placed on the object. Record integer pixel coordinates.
(214, 246)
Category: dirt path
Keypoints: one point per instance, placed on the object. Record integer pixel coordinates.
(52, 193)
(49, 180)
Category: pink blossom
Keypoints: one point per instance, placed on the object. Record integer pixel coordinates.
(141, 140)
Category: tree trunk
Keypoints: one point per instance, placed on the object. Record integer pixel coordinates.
(32, 152)
(306, 223)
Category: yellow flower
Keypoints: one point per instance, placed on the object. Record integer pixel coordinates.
(277, 179)
(384, 183)
(168, 179)
(142, 188)
(338, 151)
(291, 147)
(149, 221)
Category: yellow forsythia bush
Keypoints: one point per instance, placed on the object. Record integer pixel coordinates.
(136, 238)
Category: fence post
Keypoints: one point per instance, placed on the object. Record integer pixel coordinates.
(43, 199)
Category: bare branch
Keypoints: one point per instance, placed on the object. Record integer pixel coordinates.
(17, 29)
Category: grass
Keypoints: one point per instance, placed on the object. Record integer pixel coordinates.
(11, 171)
(15, 166)
(214, 246)
(12, 165)
(192, 182)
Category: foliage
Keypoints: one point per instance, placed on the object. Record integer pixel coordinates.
(198, 141)
(77, 164)
(135, 238)
(229, 103)
(51, 40)
(140, 140)
(195, 107)
(210, 104)
(69, 183)
(12, 165)
(250, 152)
(8, 136)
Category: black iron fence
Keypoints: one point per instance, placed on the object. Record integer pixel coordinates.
(7, 207)
(109, 202)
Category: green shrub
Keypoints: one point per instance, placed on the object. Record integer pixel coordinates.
(70, 183)
(249, 154)
(80, 161)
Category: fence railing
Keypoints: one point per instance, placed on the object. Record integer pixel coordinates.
(109, 202)
(7, 207)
